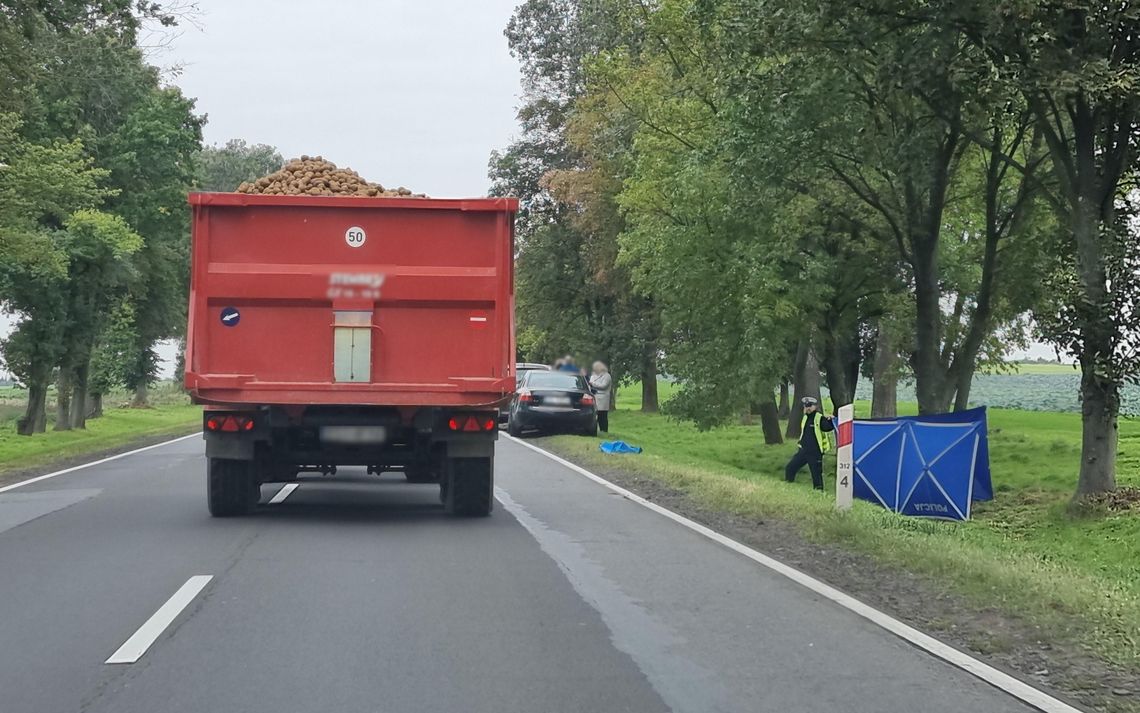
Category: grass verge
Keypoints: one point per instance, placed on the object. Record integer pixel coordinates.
(118, 426)
(1078, 578)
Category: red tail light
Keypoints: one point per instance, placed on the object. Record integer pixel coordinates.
(229, 424)
(472, 423)
(587, 400)
(526, 397)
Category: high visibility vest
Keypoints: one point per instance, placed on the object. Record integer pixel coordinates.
(823, 441)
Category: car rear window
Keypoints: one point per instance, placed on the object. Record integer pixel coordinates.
(555, 380)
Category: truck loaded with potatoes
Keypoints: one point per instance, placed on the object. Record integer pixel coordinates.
(307, 176)
(334, 322)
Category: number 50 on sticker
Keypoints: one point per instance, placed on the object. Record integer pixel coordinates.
(355, 236)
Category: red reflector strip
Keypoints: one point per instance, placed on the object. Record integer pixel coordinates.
(846, 433)
(471, 425)
(229, 424)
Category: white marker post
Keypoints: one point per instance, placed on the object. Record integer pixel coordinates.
(844, 465)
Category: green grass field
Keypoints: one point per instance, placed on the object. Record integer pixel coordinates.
(1023, 552)
(171, 414)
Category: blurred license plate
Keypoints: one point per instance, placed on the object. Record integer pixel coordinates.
(557, 401)
(354, 434)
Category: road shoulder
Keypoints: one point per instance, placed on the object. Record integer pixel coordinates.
(1005, 642)
(16, 475)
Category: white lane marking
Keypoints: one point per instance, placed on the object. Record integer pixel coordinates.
(134, 647)
(284, 493)
(1003, 681)
(38, 478)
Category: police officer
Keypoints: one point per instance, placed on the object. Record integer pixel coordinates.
(813, 444)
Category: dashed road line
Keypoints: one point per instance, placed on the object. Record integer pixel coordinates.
(133, 648)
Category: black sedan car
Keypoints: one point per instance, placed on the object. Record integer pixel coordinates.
(553, 401)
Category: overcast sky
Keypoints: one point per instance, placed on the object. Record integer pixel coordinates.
(407, 93)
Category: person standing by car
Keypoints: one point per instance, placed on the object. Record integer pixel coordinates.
(602, 384)
(568, 365)
(813, 444)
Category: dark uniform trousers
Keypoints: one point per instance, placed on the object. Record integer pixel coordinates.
(814, 462)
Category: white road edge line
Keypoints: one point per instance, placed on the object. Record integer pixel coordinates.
(283, 493)
(133, 648)
(38, 478)
(1003, 681)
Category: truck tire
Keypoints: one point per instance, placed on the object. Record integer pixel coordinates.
(468, 487)
(231, 488)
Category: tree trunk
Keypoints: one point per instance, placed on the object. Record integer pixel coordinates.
(141, 397)
(35, 416)
(63, 400)
(838, 388)
(1100, 396)
(884, 395)
(770, 421)
(795, 411)
(783, 409)
(1099, 408)
(649, 386)
(928, 375)
(95, 406)
(807, 384)
(79, 396)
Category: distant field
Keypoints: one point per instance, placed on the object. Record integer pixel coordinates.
(1026, 368)
(1033, 387)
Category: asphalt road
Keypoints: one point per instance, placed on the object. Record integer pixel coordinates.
(360, 595)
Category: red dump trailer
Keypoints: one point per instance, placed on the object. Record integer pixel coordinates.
(336, 331)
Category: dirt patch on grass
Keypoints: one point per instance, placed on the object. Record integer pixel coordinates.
(15, 475)
(1120, 500)
(1043, 654)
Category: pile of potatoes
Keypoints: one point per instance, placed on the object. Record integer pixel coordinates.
(314, 176)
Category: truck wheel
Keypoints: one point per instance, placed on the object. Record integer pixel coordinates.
(231, 488)
(468, 487)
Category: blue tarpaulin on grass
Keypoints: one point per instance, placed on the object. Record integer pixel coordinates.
(929, 466)
(618, 447)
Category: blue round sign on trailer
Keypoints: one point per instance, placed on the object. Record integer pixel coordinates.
(230, 316)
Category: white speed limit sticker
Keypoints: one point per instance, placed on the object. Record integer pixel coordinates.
(355, 237)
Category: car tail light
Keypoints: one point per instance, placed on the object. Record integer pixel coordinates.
(229, 424)
(587, 400)
(526, 397)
